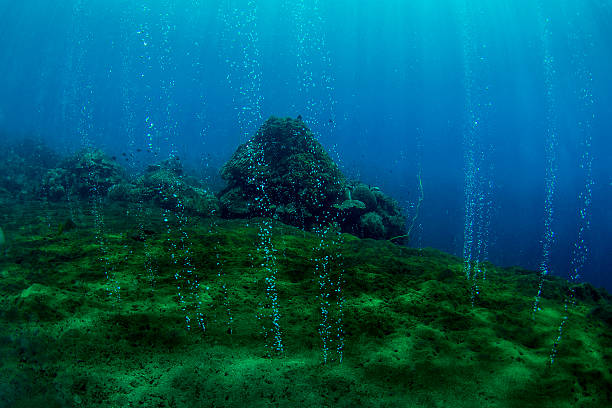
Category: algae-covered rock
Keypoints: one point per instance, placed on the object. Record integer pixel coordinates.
(371, 214)
(372, 225)
(92, 172)
(234, 203)
(167, 186)
(363, 193)
(84, 174)
(283, 171)
(352, 209)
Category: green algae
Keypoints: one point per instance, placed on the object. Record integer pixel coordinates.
(412, 336)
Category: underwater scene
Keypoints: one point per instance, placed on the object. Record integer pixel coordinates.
(306, 203)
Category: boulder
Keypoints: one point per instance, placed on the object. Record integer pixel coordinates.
(167, 186)
(282, 172)
(370, 213)
(83, 174)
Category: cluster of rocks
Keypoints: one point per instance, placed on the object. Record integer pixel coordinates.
(368, 212)
(166, 185)
(284, 172)
(91, 172)
(82, 175)
(281, 172)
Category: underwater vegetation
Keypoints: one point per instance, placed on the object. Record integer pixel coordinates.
(411, 334)
(151, 290)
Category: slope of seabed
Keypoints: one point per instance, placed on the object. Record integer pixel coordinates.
(411, 335)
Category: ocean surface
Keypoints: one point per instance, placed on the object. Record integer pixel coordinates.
(498, 113)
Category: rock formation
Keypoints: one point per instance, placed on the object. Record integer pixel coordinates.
(285, 173)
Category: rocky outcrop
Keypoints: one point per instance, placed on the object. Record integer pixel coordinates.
(83, 174)
(91, 172)
(167, 186)
(284, 172)
(369, 213)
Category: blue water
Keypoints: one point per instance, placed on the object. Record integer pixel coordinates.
(392, 88)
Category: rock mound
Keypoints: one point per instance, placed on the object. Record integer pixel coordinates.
(167, 186)
(369, 213)
(82, 174)
(92, 172)
(283, 172)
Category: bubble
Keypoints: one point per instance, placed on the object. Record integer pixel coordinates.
(477, 171)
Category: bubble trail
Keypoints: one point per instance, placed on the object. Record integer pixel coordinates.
(139, 42)
(161, 128)
(311, 49)
(146, 73)
(478, 185)
(550, 153)
(186, 275)
(83, 93)
(580, 43)
(315, 81)
(265, 248)
(329, 274)
(241, 37)
(128, 116)
(132, 35)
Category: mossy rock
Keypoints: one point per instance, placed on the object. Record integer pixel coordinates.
(363, 193)
(84, 174)
(284, 172)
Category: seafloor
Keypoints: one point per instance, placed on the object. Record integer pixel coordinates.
(412, 337)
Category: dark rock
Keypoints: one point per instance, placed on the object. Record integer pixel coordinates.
(372, 226)
(165, 185)
(602, 312)
(83, 174)
(587, 292)
(283, 172)
(363, 193)
(234, 204)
